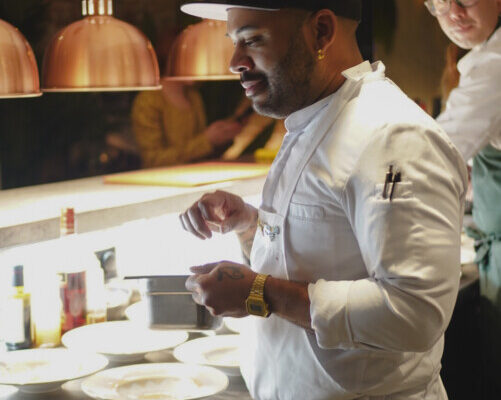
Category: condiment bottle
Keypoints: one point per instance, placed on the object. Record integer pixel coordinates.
(46, 310)
(72, 275)
(16, 329)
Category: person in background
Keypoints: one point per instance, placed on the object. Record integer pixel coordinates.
(170, 125)
(472, 119)
(355, 249)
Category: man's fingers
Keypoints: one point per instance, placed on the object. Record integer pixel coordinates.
(191, 283)
(187, 226)
(203, 269)
(196, 220)
(209, 208)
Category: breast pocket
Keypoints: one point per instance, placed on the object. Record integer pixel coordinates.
(306, 212)
(402, 190)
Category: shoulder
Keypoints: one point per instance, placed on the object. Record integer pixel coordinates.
(396, 131)
(381, 121)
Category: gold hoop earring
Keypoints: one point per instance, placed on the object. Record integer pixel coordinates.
(320, 54)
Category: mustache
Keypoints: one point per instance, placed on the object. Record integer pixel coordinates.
(251, 76)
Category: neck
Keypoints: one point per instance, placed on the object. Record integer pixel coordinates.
(332, 73)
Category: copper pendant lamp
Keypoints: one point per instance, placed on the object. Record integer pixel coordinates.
(202, 52)
(99, 53)
(18, 67)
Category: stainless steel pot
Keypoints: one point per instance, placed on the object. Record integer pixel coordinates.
(170, 305)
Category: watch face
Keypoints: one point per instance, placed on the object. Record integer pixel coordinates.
(257, 307)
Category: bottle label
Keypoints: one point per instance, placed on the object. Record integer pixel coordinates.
(13, 321)
(73, 297)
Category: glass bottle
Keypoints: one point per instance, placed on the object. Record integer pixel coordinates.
(72, 275)
(16, 330)
(46, 310)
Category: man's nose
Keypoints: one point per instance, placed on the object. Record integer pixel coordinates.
(240, 62)
(456, 11)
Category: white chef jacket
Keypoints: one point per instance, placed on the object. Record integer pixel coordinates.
(472, 116)
(384, 275)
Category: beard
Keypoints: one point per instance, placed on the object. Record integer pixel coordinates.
(288, 83)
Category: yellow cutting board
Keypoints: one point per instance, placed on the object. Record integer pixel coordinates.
(190, 175)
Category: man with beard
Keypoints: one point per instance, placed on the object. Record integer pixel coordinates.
(472, 119)
(354, 251)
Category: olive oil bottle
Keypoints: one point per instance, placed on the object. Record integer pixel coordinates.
(17, 330)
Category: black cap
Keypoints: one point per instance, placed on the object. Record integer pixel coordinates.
(218, 9)
(18, 276)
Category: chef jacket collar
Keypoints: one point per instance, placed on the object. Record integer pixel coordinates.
(473, 57)
(358, 71)
(299, 120)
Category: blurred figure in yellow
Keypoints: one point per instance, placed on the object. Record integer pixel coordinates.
(170, 125)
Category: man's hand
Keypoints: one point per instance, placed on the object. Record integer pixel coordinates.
(222, 132)
(219, 212)
(221, 287)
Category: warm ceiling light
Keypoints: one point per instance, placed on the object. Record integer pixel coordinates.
(201, 52)
(18, 67)
(99, 53)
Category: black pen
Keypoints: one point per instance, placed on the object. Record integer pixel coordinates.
(395, 180)
(388, 178)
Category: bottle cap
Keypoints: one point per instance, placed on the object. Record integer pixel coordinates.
(18, 276)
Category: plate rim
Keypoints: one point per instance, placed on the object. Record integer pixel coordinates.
(189, 343)
(89, 392)
(99, 359)
(116, 355)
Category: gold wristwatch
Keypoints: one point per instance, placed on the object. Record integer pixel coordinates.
(255, 303)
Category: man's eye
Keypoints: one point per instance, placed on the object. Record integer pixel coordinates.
(252, 41)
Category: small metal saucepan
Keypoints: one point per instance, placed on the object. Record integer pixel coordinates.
(169, 305)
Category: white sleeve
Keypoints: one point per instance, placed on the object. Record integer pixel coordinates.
(472, 117)
(410, 246)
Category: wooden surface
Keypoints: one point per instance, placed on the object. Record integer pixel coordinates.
(190, 175)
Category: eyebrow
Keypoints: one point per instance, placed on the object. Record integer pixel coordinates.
(243, 29)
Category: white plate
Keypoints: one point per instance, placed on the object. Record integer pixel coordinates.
(7, 390)
(121, 341)
(238, 325)
(166, 381)
(45, 370)
(222, 351)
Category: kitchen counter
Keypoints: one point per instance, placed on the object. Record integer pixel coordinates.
(31, 214)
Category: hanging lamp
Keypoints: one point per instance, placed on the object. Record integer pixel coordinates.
(18, 67)
(99, 53)
(202, 52)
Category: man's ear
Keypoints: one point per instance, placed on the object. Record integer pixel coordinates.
(325, 24)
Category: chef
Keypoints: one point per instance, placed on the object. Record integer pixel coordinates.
(472, 119)
(354, 251)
